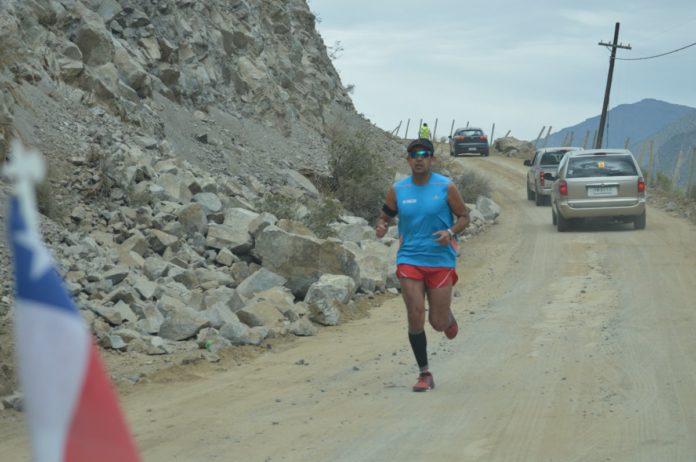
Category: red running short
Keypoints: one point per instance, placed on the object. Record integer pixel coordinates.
(434, 277)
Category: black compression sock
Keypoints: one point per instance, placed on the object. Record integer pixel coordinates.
(419, 345)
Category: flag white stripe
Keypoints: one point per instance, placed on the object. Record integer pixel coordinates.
(53, 350)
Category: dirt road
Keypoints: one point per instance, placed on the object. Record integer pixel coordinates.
(575, 346)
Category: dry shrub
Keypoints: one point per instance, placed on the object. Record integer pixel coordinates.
(663, 182)
(359, 176)
(471, 185)
(320, 213)
(691, 193)
(47, 203)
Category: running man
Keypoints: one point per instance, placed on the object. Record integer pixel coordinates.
(427, 256)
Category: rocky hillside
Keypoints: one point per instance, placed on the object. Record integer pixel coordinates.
(247, 84)
(166, 125)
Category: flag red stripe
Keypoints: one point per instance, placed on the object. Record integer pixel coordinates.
(98, 430)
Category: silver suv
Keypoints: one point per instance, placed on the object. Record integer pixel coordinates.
(545, 160)
(598, 183)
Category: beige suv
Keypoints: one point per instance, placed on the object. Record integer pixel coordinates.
(598, 183)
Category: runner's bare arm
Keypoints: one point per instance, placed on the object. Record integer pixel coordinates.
(459, 209)
(385, 220)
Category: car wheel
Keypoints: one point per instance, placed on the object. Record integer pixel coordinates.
(554, 219)
(538, 199)
(639, 222)
(562, 224)
(530, 194)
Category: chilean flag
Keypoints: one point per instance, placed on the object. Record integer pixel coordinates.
(72, 411)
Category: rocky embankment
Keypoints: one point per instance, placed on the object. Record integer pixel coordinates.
(194, 265)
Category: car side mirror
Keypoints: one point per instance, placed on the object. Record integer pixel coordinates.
(528, 163)
(549, 176)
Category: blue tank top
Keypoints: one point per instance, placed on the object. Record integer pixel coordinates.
(423, 209)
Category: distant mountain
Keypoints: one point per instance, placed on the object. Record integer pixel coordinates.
(670, 127)
(634, 122)
(674, 150)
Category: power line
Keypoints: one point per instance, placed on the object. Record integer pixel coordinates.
(658, 56)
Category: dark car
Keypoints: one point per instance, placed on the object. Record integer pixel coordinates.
(469, 140)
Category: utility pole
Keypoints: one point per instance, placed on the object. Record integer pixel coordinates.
(603, 119)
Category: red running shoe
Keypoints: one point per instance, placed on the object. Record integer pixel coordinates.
(452, 330)
(425, 382)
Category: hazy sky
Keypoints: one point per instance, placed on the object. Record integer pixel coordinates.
(504, 61)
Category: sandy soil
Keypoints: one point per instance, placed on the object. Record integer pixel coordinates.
(573, 346)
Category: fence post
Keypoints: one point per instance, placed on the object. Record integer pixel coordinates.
(651, 163)
(565, 139)
(641, 157)
(467, 124)
(548, 132)
(626, 143)
(587, 137)
(541, 132)
(452, 128)
(570, 141)
(492, 134)
(408, 122)
(677, 169)
(691, 173)
(594, 139)
(435, 130)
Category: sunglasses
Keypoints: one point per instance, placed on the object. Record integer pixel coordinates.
(420, 153)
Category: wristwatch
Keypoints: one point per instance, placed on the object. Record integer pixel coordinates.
(451, 233)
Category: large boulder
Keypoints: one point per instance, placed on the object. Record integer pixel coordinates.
(303, 259)
(93, 39)
(326, 297)
(512, 147)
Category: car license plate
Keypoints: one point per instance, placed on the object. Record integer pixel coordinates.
(472, 149)
(602, 191)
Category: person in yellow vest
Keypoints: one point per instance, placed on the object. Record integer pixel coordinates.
(424, 132)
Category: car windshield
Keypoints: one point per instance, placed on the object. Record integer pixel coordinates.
(469, 133)
(601, 166)
(552, 157)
